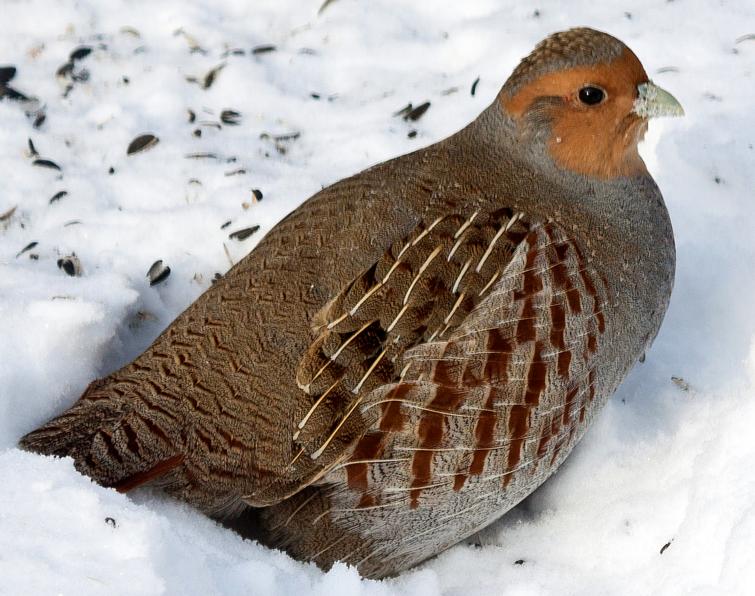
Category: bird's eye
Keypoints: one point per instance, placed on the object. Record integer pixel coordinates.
(591, 95)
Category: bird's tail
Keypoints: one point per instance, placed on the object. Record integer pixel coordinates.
(109, 440)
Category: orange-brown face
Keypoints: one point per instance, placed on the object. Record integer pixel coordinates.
(589, 114)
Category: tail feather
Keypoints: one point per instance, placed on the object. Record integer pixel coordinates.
(103, 435)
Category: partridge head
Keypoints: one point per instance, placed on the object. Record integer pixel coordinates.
(416, 348)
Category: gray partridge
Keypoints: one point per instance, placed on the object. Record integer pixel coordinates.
(416, 348)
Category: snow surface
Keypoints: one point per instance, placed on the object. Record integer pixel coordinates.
(661, 466)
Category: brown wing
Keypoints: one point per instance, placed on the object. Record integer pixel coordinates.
(477, 419)
(418, 291)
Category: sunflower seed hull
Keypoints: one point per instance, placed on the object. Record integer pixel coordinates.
(46, 163)
(243, 234)
(142, 143)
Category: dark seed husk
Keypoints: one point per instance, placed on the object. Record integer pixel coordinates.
(111, 522)
(142, 143)
(6, 74)
(290, 136)
(46, 163)
(71, 265)
(8, 214)
(157, 272)
(32, 149)
(235, 172)
(58, 195)
(404, 111)
(81, 76)
(243, 234)
(265, 49)
(39, 120)
(664, 547)
(257, 193)
(411, 134)
(73, 222)
(26, 248)
(230, 117)
(210, 77)
(192, 116)
(80, 53)
(418, 112)
(324, 6)
(474, 86)
(12, 94)
(226, 224)
(64, 70)
(201, 156)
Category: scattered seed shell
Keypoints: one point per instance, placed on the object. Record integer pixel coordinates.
(58, 195)
(230, 117)
(264, 49)
(192, 116)
(80, 53)
(157, 272)
(6, 74)
(8, 214)
(226, 224)
(257, 194)
(32, 149)
(236, 172)
(111, 522)
(71, 265)
(473, 90)
(142, 143)
(243, 234)
(27, 248)
(130, 31)
(324, 6)
(665, 546)
(64, 70)
(46, 163)
(201, 156)
(403, 111)
(289, 136)
(681, 383)
(418, 112)
(210, 77)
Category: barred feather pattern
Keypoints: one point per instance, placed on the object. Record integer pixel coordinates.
(479, 414)
(420, 290)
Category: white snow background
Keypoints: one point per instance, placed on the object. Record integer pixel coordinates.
(666, 464)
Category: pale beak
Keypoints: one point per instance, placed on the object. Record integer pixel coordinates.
(653, 101)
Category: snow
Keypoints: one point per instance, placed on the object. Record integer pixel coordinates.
(662, 465)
